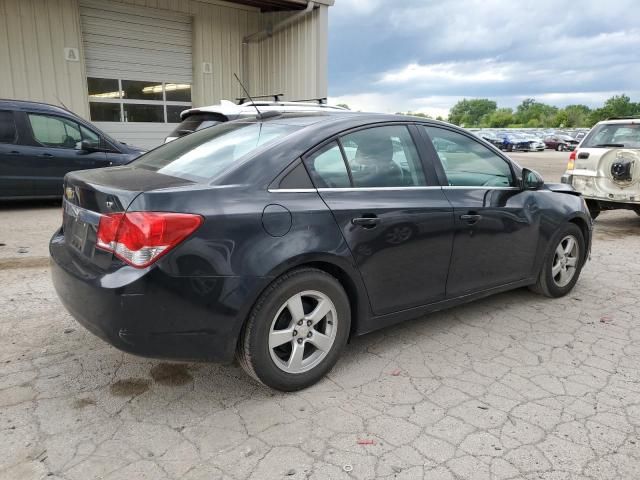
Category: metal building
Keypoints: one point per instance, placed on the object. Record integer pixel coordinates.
(131, 66)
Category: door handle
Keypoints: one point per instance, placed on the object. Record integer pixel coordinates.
(366, 222)
(14, 152)
(470, 219)
(46, 155)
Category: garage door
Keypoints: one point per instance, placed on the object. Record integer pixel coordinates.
(139, 69)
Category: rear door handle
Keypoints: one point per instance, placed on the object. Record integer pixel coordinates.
(366, 222)
(470, 219)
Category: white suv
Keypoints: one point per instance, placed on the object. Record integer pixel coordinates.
(605, 167)
(196, 119)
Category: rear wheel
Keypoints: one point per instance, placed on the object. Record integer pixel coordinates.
(637, 210)
(563, 263)
(296, 331)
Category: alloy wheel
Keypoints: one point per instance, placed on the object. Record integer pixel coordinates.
(565, 261)
(303, 331)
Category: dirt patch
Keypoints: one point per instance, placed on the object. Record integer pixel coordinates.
(129, 387)
(172, 374)
(23, 262)
(83, 402)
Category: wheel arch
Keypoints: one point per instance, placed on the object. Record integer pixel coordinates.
(583, 225)
(336, 266)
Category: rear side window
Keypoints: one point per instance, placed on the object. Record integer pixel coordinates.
(54, 131)
(8, 132)
(383, 157)
(327, 167)
(205, 154)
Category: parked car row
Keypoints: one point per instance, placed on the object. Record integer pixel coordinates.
(531, 140)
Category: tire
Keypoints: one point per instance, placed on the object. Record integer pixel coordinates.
(550, 285)
(300, 291)
(559, 148)
(637, 210)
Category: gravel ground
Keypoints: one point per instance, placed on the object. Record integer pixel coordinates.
(512, 386)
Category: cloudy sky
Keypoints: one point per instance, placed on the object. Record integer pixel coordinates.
(425, 55)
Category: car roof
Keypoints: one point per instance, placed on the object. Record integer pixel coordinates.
(614, 121)
(33, 106)
(225, 107)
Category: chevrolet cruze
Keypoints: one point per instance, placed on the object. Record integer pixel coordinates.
(276, 239)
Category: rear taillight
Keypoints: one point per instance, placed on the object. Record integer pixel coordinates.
(140, 238)
(572, 160)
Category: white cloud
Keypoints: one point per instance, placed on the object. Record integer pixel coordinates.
(482, 71)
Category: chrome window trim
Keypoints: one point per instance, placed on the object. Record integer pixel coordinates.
(384, 189)
(378, 189)
(481, 187)
(292, 190)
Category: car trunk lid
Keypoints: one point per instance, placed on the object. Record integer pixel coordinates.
(89, 195)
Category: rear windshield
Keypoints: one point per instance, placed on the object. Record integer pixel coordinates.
(205, 154)
(620, 135)
(195, 122)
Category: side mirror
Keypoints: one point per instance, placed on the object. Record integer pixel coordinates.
(86, 146)
(531, 180)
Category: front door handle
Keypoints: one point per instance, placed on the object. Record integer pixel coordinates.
(470, 219)
(46, 155)
(366, 222)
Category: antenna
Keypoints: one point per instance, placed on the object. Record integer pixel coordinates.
(63, 105)
(248, 96)
(260, 116)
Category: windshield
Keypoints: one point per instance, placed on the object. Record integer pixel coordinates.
(620, 135)
(206, 153)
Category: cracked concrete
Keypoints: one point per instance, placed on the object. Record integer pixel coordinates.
(515, 386)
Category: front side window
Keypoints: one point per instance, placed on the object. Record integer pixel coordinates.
(327, 167)
(124, 100)
(8, 132)
(203, 155)
(468, 163)
(54, 131)
(383, 157)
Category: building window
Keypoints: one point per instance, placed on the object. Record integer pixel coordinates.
(120, 100)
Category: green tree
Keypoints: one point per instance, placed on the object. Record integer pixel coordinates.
(470, 112)
(616, 106)
(529, 110)
(499, 119)
(577, 115)
(343, 105)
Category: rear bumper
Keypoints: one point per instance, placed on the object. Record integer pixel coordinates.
(149, 313)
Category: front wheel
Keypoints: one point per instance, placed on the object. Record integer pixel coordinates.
(559, 148)
(563, 264)
(296, 330)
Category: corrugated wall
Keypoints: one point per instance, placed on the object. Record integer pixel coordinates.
(294, 60)
(33, 36)
(34, 33)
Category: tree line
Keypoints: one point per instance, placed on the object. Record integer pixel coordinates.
(482, 112)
